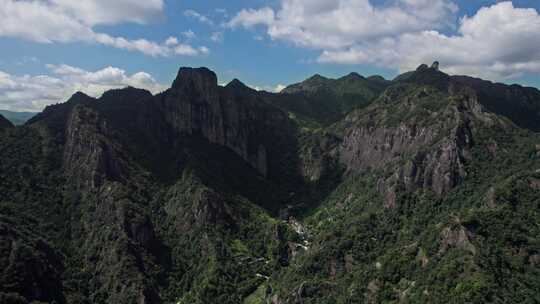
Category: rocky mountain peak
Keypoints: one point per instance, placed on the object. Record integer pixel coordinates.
(316, 77)
(201, 79)
(205, 192)
(127, 93)
(78, 97)
(422, 67)
(425, 75)
(237, 85)
(353, 76)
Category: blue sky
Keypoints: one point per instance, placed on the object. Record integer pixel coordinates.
(265, 44)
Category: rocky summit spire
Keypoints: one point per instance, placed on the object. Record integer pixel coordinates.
(435, 65)
(201, 79)
(422, 67)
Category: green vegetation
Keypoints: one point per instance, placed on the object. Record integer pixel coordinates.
(116, 206)
(323, 101)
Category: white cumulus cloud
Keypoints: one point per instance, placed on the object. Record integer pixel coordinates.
(341, 23)
(500, 41)
(33, 93)
(94, 12)
(251, 17)
(63, 21)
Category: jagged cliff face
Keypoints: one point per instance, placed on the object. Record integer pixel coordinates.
(417, 136)
(240, 121)
(89, 157)
(426, 148)
(519, 104)
(115, 153)
(205, 194)
(428, 141)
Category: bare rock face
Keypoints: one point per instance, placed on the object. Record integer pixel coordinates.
(422, 258)
(425, 151)
(234, 118)
(415, 154)
(456, 237)
(519, 104)
(429, 156)
(193, 105)
(88, 156)
(422, 67)
(119, 238)
(370, 147)
(534, 183)
(275, 300)
(318, 159)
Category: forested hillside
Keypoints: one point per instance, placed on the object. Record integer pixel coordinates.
(423, 189)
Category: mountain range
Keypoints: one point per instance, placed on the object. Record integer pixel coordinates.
(17, 118)
(420, 189)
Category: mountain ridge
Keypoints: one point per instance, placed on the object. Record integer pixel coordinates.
(410, 190)
(17, 118)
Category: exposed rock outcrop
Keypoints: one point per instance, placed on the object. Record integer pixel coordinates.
(422, 67)
(119, 240)
(238, 120)
(174, 197)
(517, 103)
(422, 151)
(456, 237)
(319, 157)
(429, 156)
(89, 156)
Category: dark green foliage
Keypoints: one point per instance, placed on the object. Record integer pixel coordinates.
(324, 100)
(166, 215)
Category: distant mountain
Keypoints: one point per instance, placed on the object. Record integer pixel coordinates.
(326, 100)
(17, 118)
(423, 189)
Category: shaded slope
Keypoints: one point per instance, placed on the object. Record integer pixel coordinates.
(519, 104)
(437, 191)
(327, 100)
(4, 123)
(134, 167)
